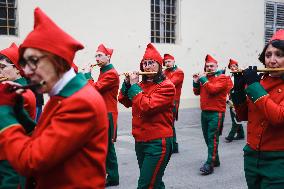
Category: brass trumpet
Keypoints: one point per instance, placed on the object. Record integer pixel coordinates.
(139, 73)
(3, 79)
(262, 70)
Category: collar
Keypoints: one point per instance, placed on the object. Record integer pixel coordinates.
(67, 76)
(173, 68)
(106, 68)
(21, 81)
(74, 85)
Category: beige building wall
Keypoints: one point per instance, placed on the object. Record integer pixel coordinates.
(223, 28)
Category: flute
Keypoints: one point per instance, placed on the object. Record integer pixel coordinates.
(262, 70)
(3, 79)
(93, 65)
(139, 73)
(30, 86)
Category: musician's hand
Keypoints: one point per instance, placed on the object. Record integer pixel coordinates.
(250, 75)
(127, 78)
(196, 77)
(133, 78)
(239, 82)
(6, 97)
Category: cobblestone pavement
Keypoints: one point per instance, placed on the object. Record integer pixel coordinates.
(182, 171)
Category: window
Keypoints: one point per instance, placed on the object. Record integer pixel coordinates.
(8, 17)
(163, 21)
(274, 18)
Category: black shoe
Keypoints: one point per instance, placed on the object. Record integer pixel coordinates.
(206, 169)
(239, 138)
(112, 183)
(229, 139)
(216, 164)
(175, 150)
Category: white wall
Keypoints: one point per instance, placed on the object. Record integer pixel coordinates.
(223, 28)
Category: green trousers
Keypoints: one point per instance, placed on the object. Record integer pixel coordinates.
(111, 160)
(264, 170)
(153, 157)
(212, 124)
(9, 179)
(175, 112)
(236, 127)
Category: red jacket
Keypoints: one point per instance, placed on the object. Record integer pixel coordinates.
(30, 103)
(69, 145)
(152, 104)
(265, 115)
(108, 85)
(176, 76)
(213, 91)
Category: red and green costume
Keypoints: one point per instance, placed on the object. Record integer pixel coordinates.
(8, 176)
(213, 91)
(261, 104)
(176, 76)
(66, 149)
(108, 85)
(152, 119)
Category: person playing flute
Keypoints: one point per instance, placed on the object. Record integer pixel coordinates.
(69, 144)
(152, 101)
(213, 88)
(176, 76)
(237, 127)
(260, 100)
(10, 69)
(108, 85)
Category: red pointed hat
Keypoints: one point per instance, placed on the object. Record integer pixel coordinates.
(103, 49)
(168, 57)
(231, 62)
(151, 53)
(49, 37)
(209, 58)
(12, 53)
(278, 35)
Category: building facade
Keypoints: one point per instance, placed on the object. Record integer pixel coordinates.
(188, 29)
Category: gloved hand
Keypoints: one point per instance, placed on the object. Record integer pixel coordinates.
(250, 75)
(239, 82)
(6, 97)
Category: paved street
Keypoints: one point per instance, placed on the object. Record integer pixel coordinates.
(182, 171)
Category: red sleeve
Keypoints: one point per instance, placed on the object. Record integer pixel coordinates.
(68, 132)
(177, 78)
(273, 112)
(219, 85)
(242, 111)
(124, 100)
(106, 82)
(159, 99)
(196, 91)
(30, 103)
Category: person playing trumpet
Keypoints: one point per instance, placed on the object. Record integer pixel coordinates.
(108, 85)
(213, 88)
(237, 127)
(260, 100)
(152, 102)
(176, 76)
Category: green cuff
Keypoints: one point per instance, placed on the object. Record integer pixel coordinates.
(238, 97)
(196, 85)
(203, 80)
(255, 91)
(88, 75)
(134, 90)
(8, 117)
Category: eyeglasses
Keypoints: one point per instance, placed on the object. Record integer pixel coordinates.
(2, 66)
(31, 61)
(148, 63)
